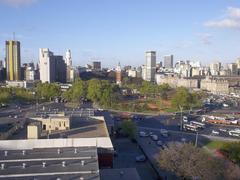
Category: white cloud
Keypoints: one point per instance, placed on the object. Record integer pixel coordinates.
(18, 3)
(233, 12)
(205, 38)
(231, 20)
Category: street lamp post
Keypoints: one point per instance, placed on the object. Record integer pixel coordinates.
(181, 119)
(196, 140)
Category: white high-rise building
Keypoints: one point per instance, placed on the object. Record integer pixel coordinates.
(45, 64)
(150, 67)
(68, 58)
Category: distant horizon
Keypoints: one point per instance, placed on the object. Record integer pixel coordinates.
(113, 32)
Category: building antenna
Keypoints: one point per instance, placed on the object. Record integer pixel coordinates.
(14, 36)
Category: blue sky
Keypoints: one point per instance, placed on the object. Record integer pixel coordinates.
(122, 30)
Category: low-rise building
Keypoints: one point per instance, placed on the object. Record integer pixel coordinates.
(215, 86)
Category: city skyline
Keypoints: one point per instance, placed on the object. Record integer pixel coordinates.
(113, 31)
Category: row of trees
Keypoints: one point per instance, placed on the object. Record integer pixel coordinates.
(101, 92)
(190, 162)
(20, 94)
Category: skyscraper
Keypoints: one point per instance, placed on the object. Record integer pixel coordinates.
(168, 61)
(150, 67)
(13, 60)
(68, 58)
(52, 68)
(46, 65)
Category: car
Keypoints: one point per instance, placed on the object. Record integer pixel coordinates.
(165, 135)
(185, 119)
(140, 158)
(154, 137)
(159, 143)
(143, 134)
(215, 132)
(223, 130)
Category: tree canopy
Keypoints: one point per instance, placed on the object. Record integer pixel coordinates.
(190, 162)
(183, 98)
(129, 128)
(47, 91)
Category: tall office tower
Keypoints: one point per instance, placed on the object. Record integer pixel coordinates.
(118, 74)
(46, 65)
(150, 67)
(13, 60)
(60, 69)
(96, 65)
(168, 61)
(68, 58)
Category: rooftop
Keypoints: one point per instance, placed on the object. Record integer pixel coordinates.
(50, 163)
(84, 127)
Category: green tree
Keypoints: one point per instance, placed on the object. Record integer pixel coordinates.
(79, 90)
(47, 91)
(4, 95)
(163, 90)
(94, 90)
(183, 98)
(129, 128)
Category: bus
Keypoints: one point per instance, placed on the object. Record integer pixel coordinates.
(235, 132)
(198, 124)
(189, 127)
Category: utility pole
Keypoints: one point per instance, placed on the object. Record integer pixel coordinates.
(196, 141)
(181, 119)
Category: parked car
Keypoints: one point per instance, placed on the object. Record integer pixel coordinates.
(215, 132)
(140, 158)
(143, 134)
(154, 137)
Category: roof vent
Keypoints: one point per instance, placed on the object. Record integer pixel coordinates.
(82, 162)
(23, 152)
(75, 151)
(23, 165)
(2, 166)
(5, 153)
(58, 151)
(63, 164)
(43, 164)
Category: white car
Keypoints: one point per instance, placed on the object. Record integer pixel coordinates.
(185, 119)
(223, 130)
(215, 132)
(143, 134)
(154, 137)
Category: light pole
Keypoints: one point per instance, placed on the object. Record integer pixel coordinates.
(181, 119)
(196, 140)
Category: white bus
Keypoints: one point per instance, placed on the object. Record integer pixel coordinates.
(235, 133)
(197, 124)
(189, 127)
